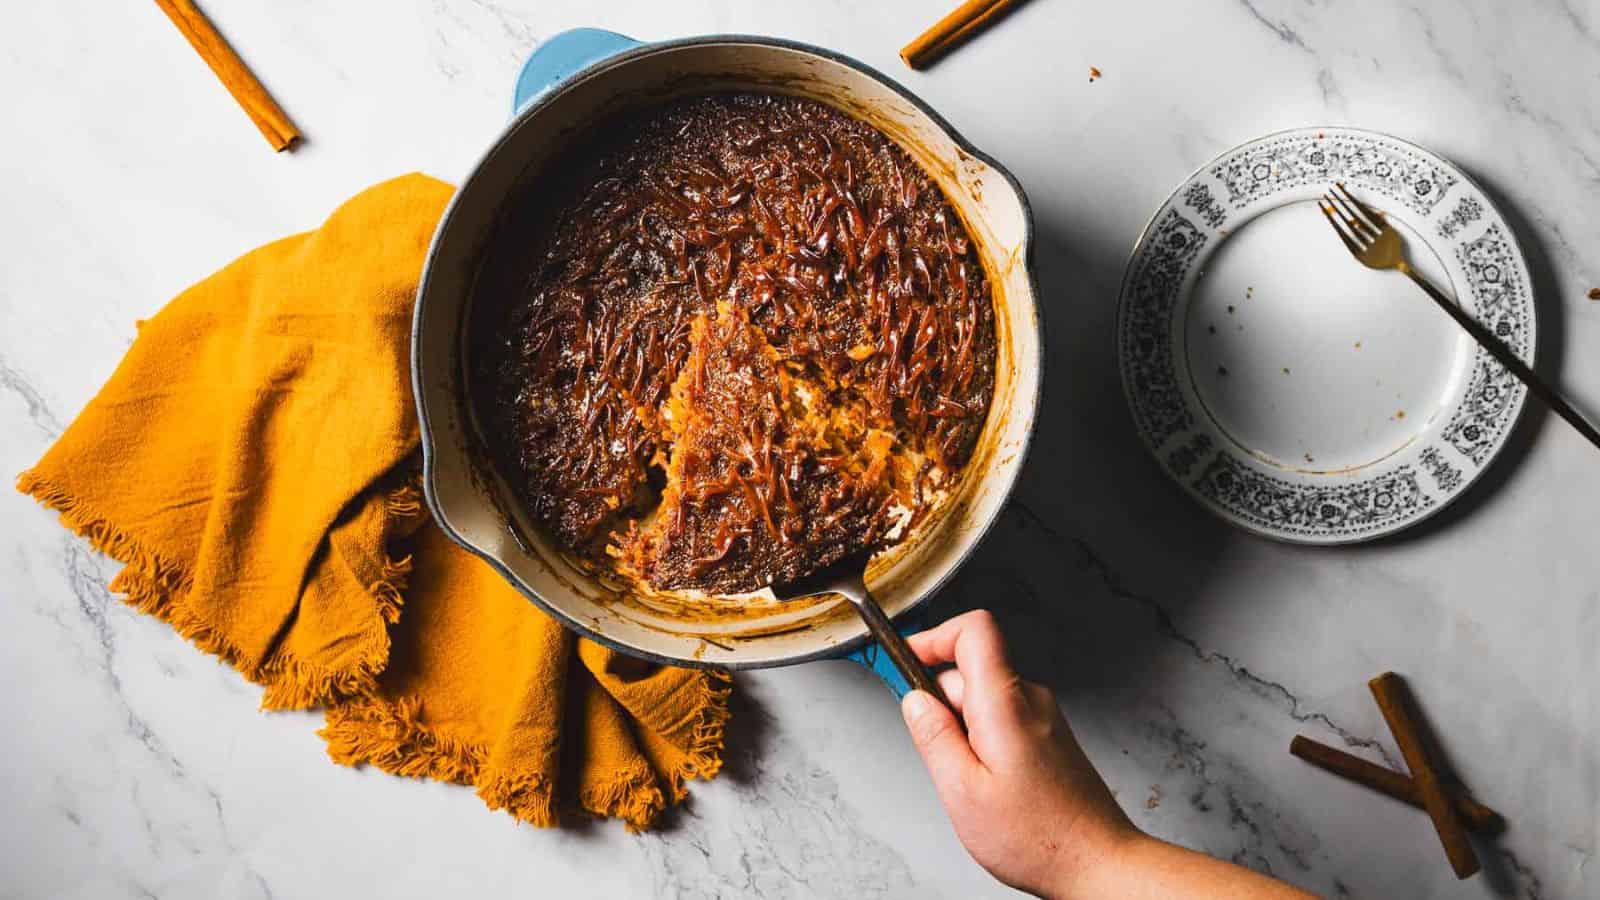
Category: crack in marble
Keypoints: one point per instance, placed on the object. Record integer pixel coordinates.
(1515, 103)
(1584, 856)
(1532, 884)
(513, 26)
(37, 409)
(1290, 37)
(152, 836)
(1248, 815)
(1431, 39)
(523, 36)
(1260, 686)
(1280, 29)
(89, 588)
(788, 832)
(1579, 26)
(1328, 87)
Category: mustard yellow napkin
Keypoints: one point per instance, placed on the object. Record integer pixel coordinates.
(252, 462)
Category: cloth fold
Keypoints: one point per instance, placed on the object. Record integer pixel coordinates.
(253, 463)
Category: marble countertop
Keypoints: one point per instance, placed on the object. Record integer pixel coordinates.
(1187, 654)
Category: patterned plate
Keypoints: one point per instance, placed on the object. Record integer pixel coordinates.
(1290, 389)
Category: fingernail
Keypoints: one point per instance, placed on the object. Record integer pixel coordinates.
(915, 706)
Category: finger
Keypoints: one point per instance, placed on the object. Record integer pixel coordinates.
(973, 642)
(942, 744)
(931, 647)
(954, 687)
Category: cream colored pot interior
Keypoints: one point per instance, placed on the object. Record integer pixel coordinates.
(476, 508)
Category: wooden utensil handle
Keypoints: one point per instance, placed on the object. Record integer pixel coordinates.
(900, 653)
(1502, 354)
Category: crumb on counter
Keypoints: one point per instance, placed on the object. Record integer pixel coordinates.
(1400, 415)
(1154, 800)
(1285, 370)
(1310, 458)
(1094, 74)
(1211, 329)
(1230, 309)
(1358, 345)
(1594, 293)
(1222, 370)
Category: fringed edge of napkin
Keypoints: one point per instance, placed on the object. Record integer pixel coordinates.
(360, 725)
(158, 586)
(391, 736)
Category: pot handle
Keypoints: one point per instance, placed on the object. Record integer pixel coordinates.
(877, 660)
(561, 57)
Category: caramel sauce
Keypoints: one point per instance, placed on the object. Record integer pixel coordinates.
(746, 337)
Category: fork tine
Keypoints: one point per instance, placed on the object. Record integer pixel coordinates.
(1373, 217)
(1352, 244)
(1331, 213)
(1355, 223)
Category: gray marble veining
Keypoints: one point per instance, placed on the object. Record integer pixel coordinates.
(1186, 654)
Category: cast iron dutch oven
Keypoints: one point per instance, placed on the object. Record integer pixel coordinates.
(583, 77)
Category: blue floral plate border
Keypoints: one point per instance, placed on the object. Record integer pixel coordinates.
(1460, 224)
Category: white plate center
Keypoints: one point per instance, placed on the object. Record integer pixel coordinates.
(1307, 359)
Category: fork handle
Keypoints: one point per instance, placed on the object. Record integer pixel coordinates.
(904, 658)
(1497, 348)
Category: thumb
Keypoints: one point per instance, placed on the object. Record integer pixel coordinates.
(941, 741)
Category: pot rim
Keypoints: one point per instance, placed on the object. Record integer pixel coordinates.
(599, 69)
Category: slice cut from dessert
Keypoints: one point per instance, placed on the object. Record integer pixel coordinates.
(770, 475)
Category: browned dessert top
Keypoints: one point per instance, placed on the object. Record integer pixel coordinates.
(749, 337)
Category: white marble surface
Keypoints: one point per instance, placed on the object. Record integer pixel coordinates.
(1187, 654)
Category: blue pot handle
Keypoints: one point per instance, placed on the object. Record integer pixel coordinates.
(563, 56)
(553, 62)
(878, 662)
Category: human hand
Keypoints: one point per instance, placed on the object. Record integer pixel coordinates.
(1024, 799)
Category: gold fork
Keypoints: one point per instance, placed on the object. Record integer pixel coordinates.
(1377, 245)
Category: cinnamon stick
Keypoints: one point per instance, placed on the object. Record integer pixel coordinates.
(1399, 710)
(953, 30)
(1475, 815)
(232, 72)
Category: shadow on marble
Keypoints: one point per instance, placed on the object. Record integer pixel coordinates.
(1090, 503)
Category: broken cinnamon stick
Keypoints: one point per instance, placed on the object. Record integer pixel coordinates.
(232, 72)
(1395, 701)
(1475, 815)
